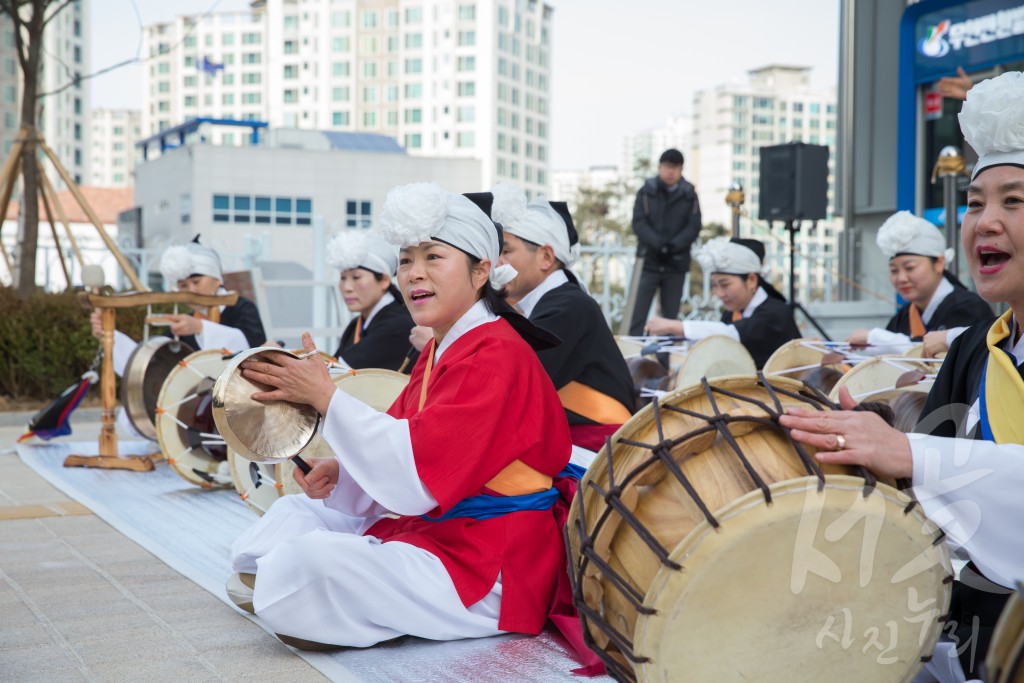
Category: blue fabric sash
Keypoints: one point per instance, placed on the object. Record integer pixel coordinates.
(986, 427)
(483, 507)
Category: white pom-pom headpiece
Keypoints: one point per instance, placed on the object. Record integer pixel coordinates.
(509, 205)
(360, 248)
(421, 212)
(175, 265)
(905, 233)
(720, 255)
(992, 120)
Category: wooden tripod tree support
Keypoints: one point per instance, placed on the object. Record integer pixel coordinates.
(109, 457)
(9, 176)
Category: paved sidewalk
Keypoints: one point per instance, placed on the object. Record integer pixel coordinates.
(81, 602)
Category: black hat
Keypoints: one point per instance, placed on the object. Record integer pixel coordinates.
(484, 201)
(756, 246)
(563, 210)
(672, 157)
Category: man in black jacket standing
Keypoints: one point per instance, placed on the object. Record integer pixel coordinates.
(666, 220)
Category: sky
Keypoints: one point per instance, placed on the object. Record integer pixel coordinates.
(617, 66)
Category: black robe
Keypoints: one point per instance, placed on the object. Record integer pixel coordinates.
(383, 344)
(960, 308)
(588, 353)
(770, 326)
(243, 316)
(956, 389)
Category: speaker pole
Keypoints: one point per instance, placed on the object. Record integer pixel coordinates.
(794, 305)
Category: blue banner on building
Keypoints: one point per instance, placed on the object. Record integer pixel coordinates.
(974, 35)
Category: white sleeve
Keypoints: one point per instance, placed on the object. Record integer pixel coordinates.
(217, 336)
(698, 329)
(375, 450)
(124, 346)
(350, 499)
(972, 490)
(952, 333)
(885, 342)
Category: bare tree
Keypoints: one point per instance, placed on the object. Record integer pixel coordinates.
(30, 18)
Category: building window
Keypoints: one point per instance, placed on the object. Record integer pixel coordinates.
(413, 141)
(340, 44)
(370, 119)
(369, 19)
(243, 208)
(358, 213)
(413, 115)
(414, 66)
(466, 88)
(340, 69)
(221, 205)
(339, 118)
(467, 38)
(303, 211)
(467, 63)
(283, 210)
(413, 91)
(413, 15)
(291, 71)
(340, 94)
(466, 139)
(467, 12)
(413, 41)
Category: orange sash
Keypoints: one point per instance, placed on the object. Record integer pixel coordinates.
(592, 404)
(359, 330)
(917, 328)
(737, 315)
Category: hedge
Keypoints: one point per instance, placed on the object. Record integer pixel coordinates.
(46, 342)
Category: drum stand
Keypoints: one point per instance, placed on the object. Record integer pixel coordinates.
(108, 457)
(794, 305)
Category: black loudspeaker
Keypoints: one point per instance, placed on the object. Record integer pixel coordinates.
(794, 182)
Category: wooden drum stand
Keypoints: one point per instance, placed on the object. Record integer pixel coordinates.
(108, 457)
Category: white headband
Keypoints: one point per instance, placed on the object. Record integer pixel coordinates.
(905, 233)
(992, 120)
(535, 221)
(719, 255)
(178, 263)
(361, 248)
(420, 212)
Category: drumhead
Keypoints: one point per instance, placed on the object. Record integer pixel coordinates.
(711, 357)
(184, 420)
(257, 483)
(1004, 662)
(825, 584)
(144, 376)
(877, 379)
(261, 431)
(375, 387)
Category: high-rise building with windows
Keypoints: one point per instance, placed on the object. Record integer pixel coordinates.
(731, 123)
(639, 152)
(64, 102)
(114, 134)
(451, 79)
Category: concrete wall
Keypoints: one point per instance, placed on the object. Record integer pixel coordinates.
(869, 53)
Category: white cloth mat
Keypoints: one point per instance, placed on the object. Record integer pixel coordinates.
(191, 529)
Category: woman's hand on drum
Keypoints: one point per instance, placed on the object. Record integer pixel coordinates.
(845, 437)
(295, 380)
(859, 338)
(935, 344)
(420, 336)
(660, 327)
(183, 325)
(321, 480)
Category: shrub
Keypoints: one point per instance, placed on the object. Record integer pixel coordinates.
(46, 342)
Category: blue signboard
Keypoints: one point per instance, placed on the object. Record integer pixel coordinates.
(973, 35)
(937, 36)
